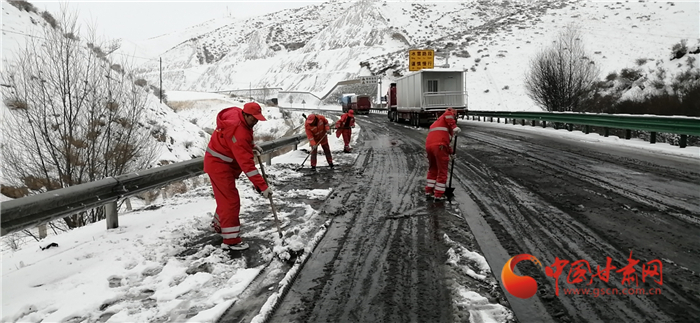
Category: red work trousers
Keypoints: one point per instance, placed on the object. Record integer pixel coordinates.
(326, 150)
(228, 205)
(346, 138)
(438, 161)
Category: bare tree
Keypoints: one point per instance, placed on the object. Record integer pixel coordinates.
(562, 77)
(73, 115)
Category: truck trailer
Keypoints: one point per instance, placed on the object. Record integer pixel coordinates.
(423, 96)
(361, 104)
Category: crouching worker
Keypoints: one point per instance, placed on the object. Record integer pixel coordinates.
(343, 127)
(230, 153)
(317, 130)
(437, 145)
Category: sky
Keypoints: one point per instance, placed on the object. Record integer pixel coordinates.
(139, 20)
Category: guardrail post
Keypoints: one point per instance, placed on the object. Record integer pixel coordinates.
(128, 204)
(652, 139)
(544, 124)
(296, 146)
(628, 134)
(587, 129)
(42, 231)
(606, 132)
(513, 121)
(498, 120)
(683, 142)
(570, 127)
(532, 122)
(112, 216)
(269, 160)
(522, 122)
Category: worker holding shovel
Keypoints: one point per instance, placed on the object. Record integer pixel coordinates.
(317, 129)
(437, 145)
(343, 127)
(230, 153)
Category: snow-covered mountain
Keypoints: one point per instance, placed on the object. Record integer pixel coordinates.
(314, 47)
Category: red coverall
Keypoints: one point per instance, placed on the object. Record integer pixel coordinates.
(316, 129)
(344, 126)
(437, 145)
(229, 153)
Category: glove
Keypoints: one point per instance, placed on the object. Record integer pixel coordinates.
(267, 193)
(257, 151)
(312, 143)
(456, 130)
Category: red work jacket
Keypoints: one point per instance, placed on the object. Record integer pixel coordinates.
(230, 148)
(441, 131)
(315, 132)
(345, 122)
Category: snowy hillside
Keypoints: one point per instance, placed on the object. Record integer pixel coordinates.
(312, 48)
(173, 137)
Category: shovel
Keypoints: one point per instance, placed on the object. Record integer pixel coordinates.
(312, 148)
(449, 191)
(274, 212)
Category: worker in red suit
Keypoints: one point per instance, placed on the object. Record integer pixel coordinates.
(317, 129)
(229, 153)
(437, 145)
(344, 127)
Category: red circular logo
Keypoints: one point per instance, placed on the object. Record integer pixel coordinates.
(519, 286)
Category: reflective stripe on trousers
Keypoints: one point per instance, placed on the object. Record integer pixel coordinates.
(230, 232)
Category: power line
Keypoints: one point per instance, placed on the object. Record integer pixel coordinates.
(128, 55)
(19, 33)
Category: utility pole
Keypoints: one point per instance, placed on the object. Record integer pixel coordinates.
(380, 91)
(160, 61)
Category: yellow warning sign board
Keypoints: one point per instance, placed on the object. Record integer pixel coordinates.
(419, 59)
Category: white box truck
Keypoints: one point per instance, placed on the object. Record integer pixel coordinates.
(421, 97)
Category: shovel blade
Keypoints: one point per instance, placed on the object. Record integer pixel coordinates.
(450, 192)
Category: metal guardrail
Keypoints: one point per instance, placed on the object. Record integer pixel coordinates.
(30, 211)
(679, 125)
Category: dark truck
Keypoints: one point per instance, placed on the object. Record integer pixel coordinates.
(360, 104)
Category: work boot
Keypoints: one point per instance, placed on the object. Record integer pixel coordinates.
(439, 198)
(313, 167)
(330, 165)
(236, 247)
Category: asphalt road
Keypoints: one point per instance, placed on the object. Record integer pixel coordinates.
(384, 258)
